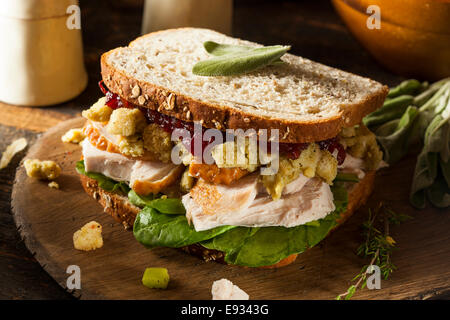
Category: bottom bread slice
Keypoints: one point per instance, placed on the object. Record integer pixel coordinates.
(124, 212)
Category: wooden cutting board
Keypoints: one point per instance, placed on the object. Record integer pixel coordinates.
(47, 219)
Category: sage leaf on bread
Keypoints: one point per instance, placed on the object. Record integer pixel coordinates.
(233, 60)
(218, 49)
(418, 116)
(407, 87)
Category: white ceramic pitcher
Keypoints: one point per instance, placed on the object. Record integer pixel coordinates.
(41, 59)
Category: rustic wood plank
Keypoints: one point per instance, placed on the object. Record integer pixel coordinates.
(21, 275)
(34, 119)
(47, 223)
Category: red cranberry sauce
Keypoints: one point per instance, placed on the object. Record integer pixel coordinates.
(113, 100)
(331, 145)
(169, 124)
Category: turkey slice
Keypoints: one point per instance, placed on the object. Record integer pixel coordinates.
(144, 177)
(209, 206)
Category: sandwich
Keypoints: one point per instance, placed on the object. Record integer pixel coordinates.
(249, 169)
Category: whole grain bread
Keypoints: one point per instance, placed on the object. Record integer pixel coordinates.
(305, 100)
(124, 212)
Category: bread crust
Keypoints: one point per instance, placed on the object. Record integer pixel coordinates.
(223, 117)
(124, 212)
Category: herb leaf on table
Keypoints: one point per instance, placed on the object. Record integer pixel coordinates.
(406, 122)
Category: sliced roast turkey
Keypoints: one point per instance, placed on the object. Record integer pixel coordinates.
(144, 177)
(247, 204)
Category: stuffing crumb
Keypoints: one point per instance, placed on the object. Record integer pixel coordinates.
(89, 237)
(73, 136)
(53, 185)
(158, 141)
(45, 170)
(224, 289)
(99, 112)
(131, 146)
(361, 143)
(312, 162)
(126, 122)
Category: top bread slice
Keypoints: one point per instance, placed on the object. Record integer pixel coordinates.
(305, 100)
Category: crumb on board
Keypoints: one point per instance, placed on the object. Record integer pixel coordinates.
(224, 289)
(53, 185)
(45, 170)
(73, 136)
(89, 237)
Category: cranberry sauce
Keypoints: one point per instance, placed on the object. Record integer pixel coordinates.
(331, 145)
(113, 100)
(169, 124)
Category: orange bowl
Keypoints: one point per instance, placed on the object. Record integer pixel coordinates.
(414, 35)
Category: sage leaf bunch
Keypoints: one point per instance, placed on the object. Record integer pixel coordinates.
(417, 116)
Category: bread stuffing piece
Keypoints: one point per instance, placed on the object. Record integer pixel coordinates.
(361, 143)
(99, 112)
(327, 167)
(53, 185)
(131, 146)
(158, 142)
(126, 122)
(224, 289)
(73, 136)
(89, 237)
(45, 170)
(312, 162)
(239, 154)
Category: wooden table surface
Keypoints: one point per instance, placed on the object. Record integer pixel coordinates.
(311, 27)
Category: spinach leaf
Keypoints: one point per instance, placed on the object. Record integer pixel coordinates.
(104, 182)
(154, 229)
(138, 200)
(242, 245)
(163, 205)
(255, 247)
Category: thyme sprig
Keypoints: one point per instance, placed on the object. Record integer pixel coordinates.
(378, 246)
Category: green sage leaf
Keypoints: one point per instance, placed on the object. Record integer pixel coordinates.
(238, 61)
